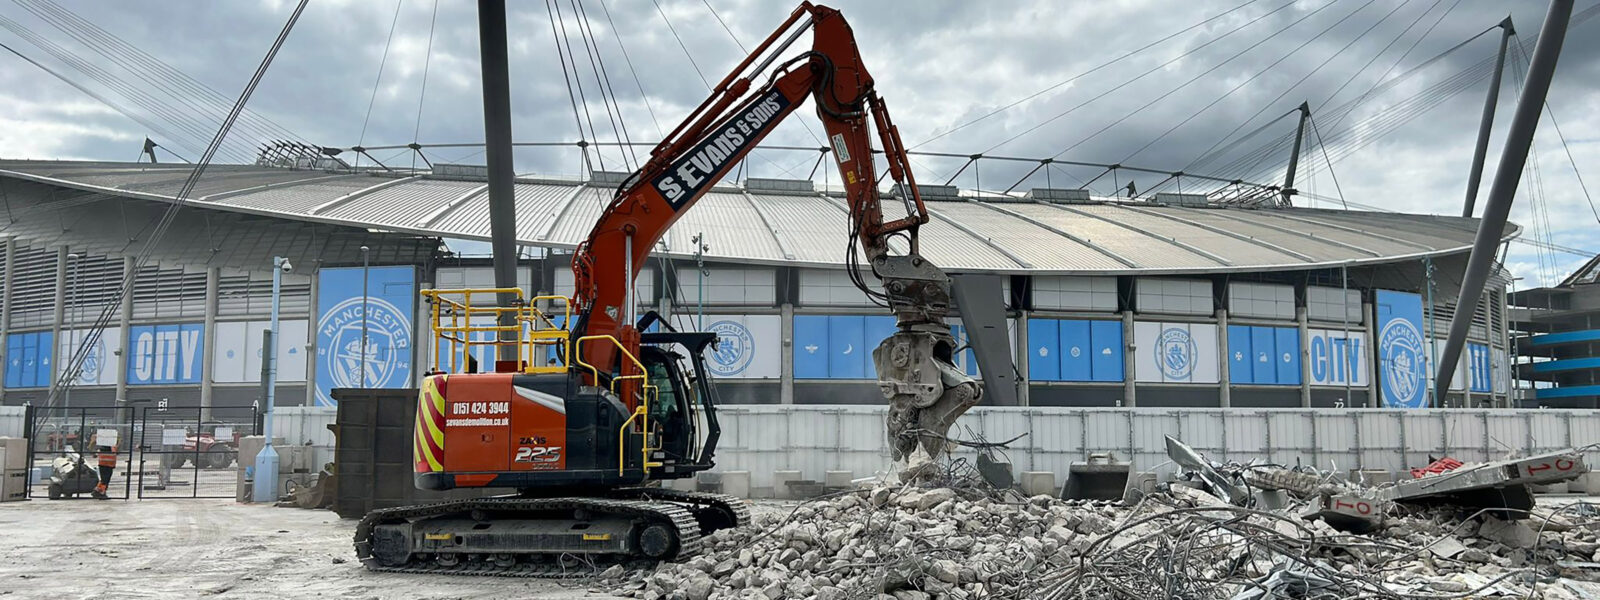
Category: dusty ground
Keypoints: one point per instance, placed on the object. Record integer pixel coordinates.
(173, 548)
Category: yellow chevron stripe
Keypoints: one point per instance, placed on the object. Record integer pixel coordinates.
(430, 390)
(421, 446)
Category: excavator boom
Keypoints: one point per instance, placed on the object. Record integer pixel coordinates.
(925, 390)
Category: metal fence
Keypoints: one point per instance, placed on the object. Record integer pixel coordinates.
(815, 439)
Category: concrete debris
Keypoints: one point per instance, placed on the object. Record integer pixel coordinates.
(1192, 462)
(904, 542)
(1498, 485)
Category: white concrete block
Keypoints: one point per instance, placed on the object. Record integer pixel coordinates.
(1591, 483)
(736, 483)
(13, 453)
(780, 484)
(1035, 483)
(834, 480)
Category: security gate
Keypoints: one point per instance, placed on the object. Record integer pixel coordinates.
(182, 453)
(65, 447)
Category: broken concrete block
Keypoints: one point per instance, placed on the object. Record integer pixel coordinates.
(1035, 483)
(686, 484)
(708, 482)
(837, 480)
(780, 484)
(1514, 534)
(736, 483)
(1271, 499)
(1559, 487)
(1301, 484)
(1447, 547)
(1500, 484)
(1346, 512)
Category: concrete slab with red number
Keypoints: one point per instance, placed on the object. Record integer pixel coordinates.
(1500, 484)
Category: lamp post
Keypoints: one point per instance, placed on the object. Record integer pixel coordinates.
(700, 248)
(365, 266)
(266, 478)
(72, 336)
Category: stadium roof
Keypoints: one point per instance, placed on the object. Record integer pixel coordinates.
(786, 222)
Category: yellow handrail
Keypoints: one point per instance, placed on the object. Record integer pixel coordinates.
(640, 412)
(454, 311)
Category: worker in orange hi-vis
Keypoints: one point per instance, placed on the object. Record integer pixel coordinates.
(108, 463)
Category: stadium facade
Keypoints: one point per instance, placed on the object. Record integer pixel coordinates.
(1102, 302)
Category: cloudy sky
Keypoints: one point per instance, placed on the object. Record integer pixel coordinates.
(1163, 84)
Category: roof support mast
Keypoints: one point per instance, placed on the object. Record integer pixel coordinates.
(1518, 141)
(1294, 155)
(497, 146)
(1482, 149)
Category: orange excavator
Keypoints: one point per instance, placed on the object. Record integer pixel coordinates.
(582, 437)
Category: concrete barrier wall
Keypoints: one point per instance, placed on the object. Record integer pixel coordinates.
(815, 439)
(12, 419)
(301, 425)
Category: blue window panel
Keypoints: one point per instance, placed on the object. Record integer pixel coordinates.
(845, 338)
(1044, 350)
(43, 343)
(13, 365)
(1239, 355)
(810, 347)
(1106, 347)
(45, 351)
(874, 330)
(29, 377)
(1076, 351)
(1288, 357)
(1262, 356)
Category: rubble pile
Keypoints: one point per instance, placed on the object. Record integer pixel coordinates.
(1221, 531)
(915, 543)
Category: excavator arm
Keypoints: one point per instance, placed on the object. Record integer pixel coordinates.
(915, 369)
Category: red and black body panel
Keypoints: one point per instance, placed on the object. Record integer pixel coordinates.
(552, 431)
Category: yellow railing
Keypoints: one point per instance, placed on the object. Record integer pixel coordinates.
(640, 412)
(454, 311)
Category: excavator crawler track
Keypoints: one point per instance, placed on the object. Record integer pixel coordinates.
(688, 513)
(712, 511)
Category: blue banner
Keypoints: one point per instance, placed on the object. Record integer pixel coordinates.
(165, 354)
(1074, 350)
(838, 346)
(386, 313)
(28, 359)
(1480, 368)
(1263, 355)
(1402, 357)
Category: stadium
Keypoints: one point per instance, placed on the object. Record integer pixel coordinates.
(1170, 301)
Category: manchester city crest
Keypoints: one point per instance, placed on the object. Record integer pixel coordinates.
(1175, 351)
(1404, 368)
(93, 361)
(385, 362)
(735, 348)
